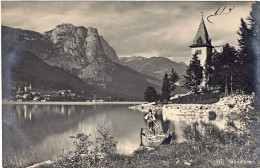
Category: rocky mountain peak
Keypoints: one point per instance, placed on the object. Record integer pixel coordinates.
(80, 51)
(109, 51)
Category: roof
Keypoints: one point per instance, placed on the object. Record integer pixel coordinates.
(202, 37)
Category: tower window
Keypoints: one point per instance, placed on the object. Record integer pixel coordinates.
(199, 41)
(199, 51)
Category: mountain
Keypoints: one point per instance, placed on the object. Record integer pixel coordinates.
(183, 63)
(83, 53)
(133, 58)
(20, 68)
(154, 66)
(79, 51)
(109, 51)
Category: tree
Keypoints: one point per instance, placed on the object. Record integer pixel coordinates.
(194, 74)
(166, 89)
(174, 77)
(226, 65)
(150, 94)
(246, 58)
(249, 42)
(254, 21)
(209, 71)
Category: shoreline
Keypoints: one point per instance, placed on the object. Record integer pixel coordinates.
(67, 103)
(181, 159)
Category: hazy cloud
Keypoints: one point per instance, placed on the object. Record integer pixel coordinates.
(133, 28)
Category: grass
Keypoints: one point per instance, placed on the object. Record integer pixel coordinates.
(199, 154)
(21, 160)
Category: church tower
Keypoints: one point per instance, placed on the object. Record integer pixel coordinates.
(202, 45)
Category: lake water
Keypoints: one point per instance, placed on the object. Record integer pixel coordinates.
(45, 129)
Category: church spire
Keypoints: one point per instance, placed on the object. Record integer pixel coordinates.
(203, 48)
(202, 37)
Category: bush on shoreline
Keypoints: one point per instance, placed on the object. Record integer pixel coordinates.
(87, 152)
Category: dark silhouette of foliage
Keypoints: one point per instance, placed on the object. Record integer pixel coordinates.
(246, 58)
(166, 89)
(174, 77)
(226, 65)
(194, 74)
(249, 42)
(150, 94)
(209, 71)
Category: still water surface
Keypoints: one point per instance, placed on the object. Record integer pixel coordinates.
(45, 129)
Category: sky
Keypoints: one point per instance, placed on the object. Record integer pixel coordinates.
(134, 28)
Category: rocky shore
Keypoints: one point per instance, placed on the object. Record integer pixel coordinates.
(226, 105)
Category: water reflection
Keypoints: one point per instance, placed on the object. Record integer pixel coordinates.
(45, 129)
(196, 126)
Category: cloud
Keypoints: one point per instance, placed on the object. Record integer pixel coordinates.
(133, 28)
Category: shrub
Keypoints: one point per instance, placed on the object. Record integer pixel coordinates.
(87, 153)
(106, 143)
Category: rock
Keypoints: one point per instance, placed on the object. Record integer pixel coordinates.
(38, 165)
(165, 164)
(187, 163)
(147, 148)
(79, 51)
(109, 51)
(100, 156)
(83, 155)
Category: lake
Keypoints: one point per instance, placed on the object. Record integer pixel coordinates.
(45, 129)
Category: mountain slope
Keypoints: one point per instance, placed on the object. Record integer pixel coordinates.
(154, 66)
(21, 68)
(79, 51)
(109, 51)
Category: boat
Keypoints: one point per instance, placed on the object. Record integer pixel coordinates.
(153, 139)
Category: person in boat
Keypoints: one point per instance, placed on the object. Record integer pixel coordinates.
(150, 120)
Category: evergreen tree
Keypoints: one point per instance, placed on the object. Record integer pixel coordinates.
(217, 76)
(209, 71)
(150, 94)
(194, 74)
(249, 42)
(225, 65)
(174, 77)
(254, 22)
(246, 58)
(166, 89)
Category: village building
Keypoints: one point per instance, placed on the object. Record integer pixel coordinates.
(28, 89)
(26, 93)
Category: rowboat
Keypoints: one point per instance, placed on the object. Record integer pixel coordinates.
(152, 139)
